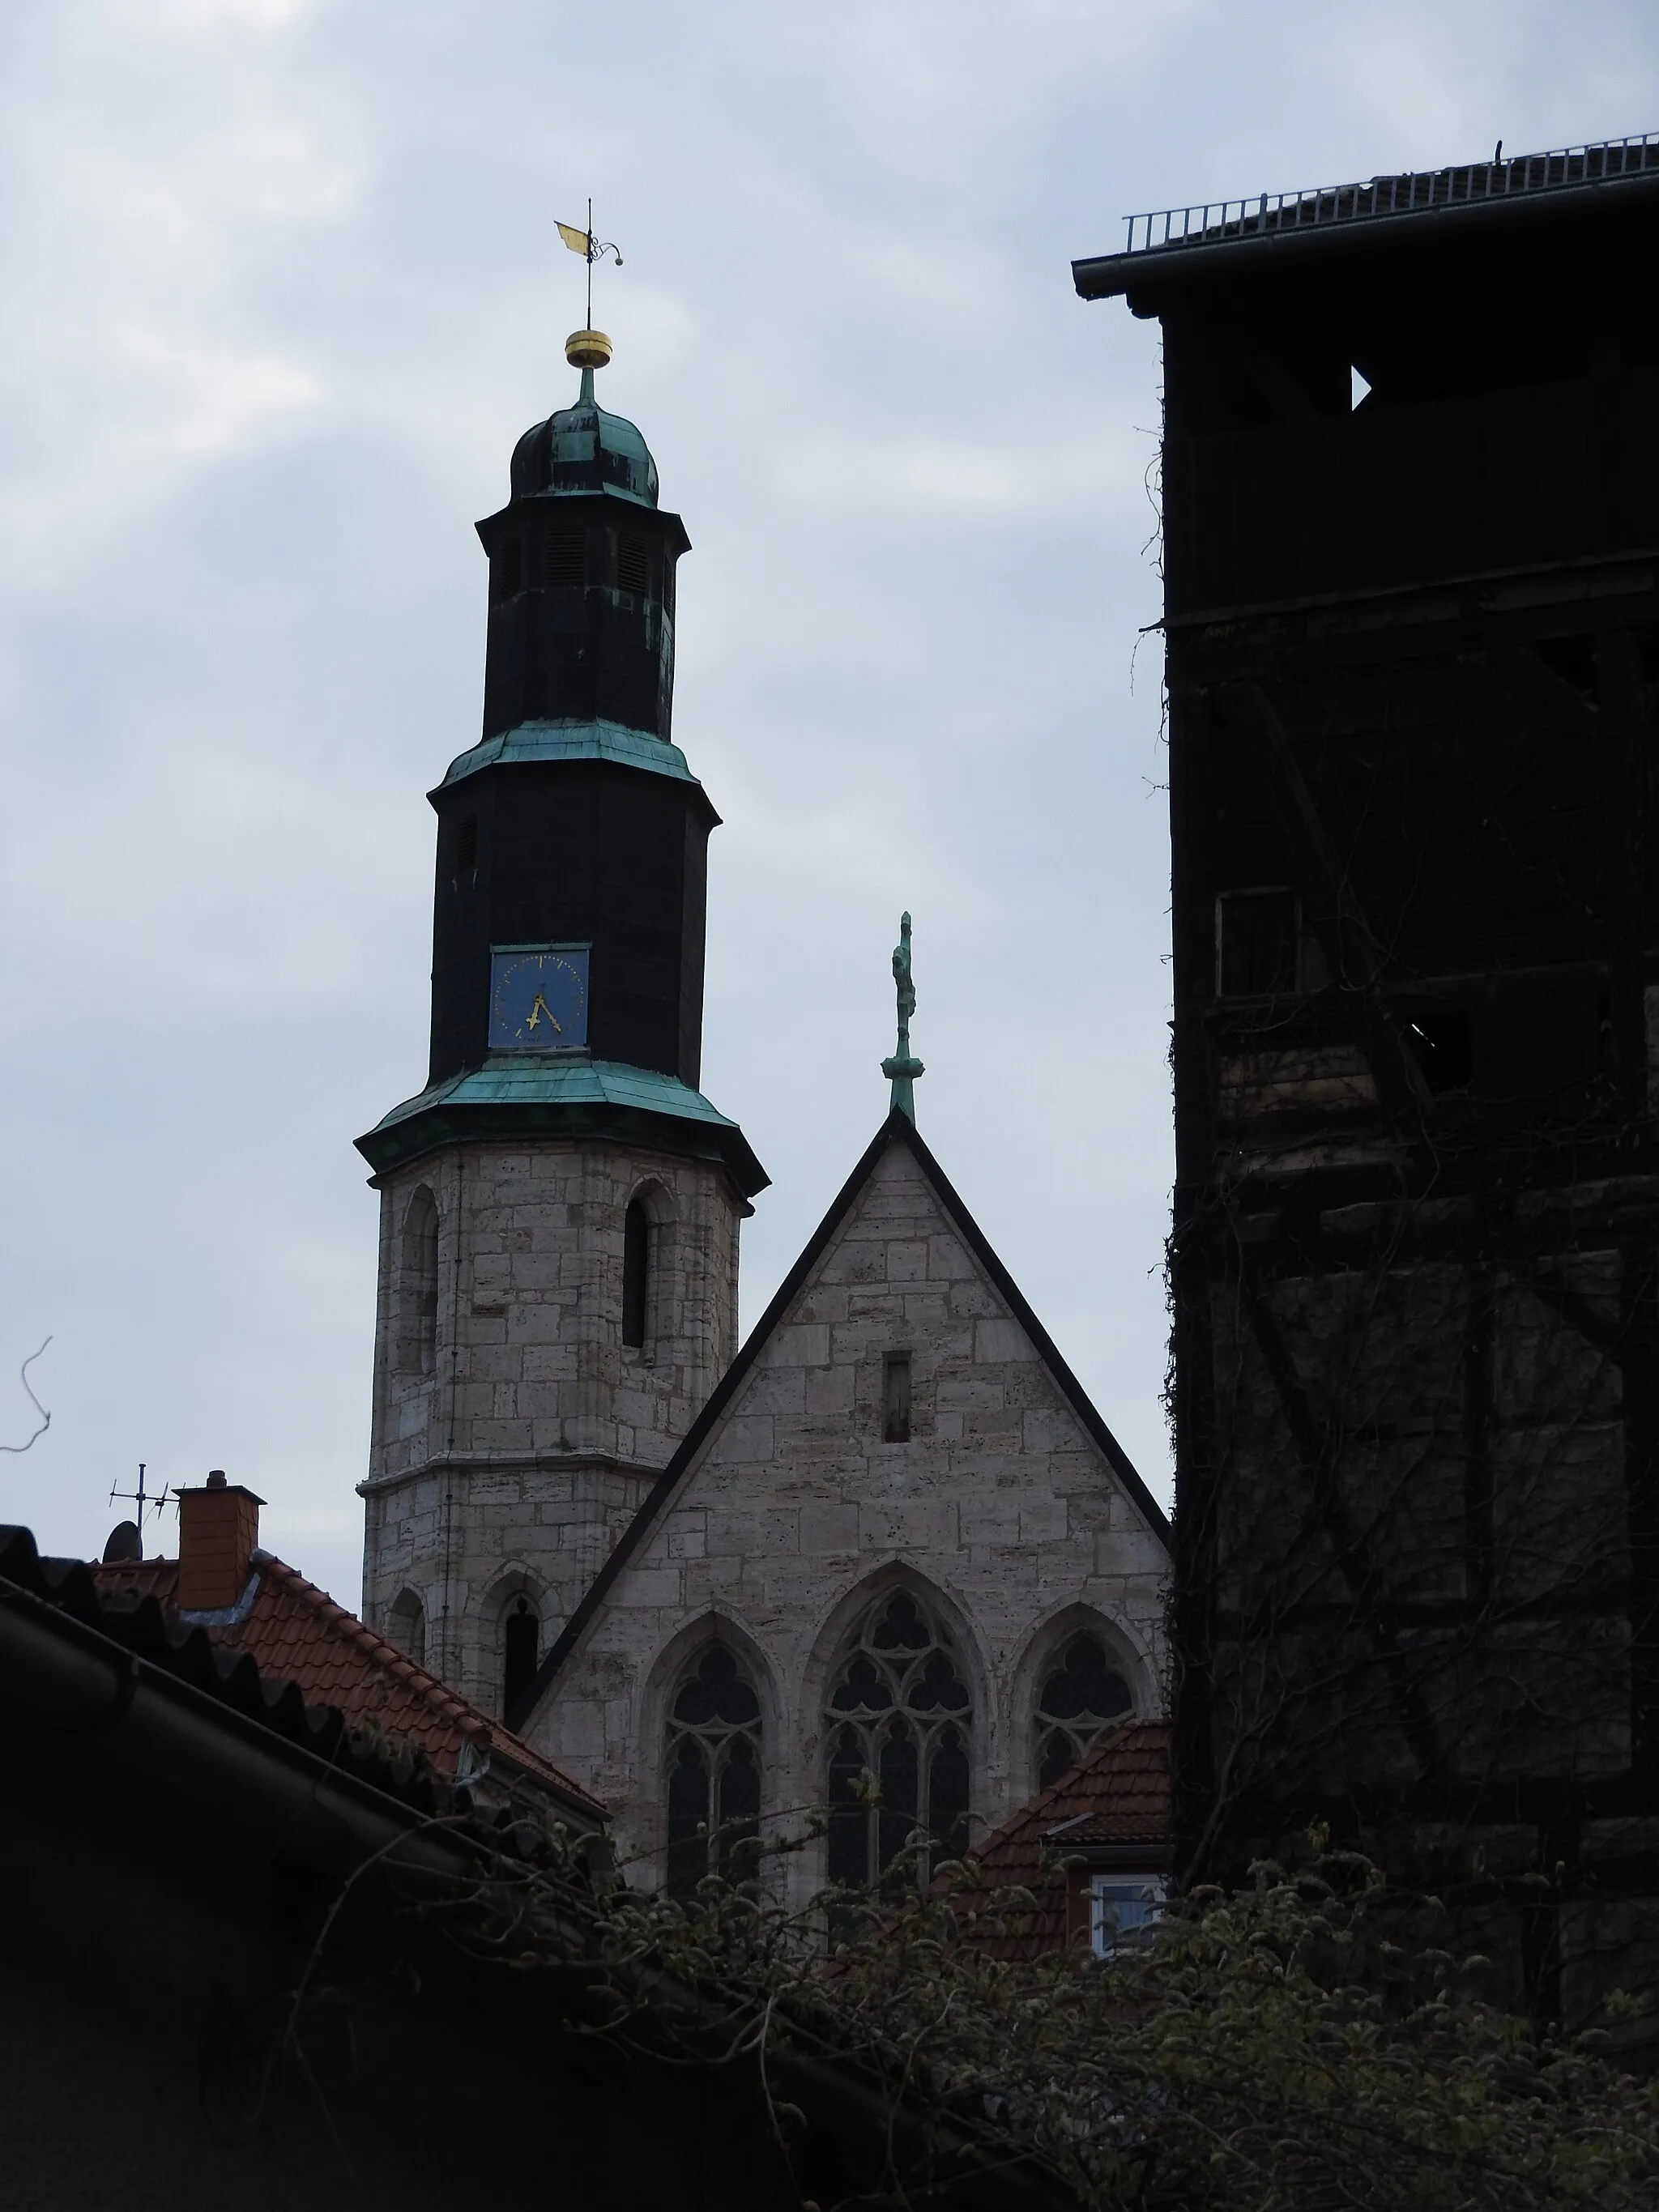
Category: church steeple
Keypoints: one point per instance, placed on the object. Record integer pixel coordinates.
(574, 828)
(560, 1204)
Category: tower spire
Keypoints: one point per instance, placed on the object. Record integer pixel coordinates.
(903, 1069)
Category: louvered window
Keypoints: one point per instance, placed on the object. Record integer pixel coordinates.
(564, 558)
(504, 570)
(633, 565)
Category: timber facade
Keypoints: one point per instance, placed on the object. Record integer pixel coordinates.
(1410, 547)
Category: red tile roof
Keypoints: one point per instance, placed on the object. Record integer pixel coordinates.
(295, 1632)
(1118, 1795)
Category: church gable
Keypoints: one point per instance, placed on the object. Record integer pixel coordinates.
(899, 1414)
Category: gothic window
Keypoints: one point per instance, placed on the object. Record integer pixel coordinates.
(521, 1650)
(713, 1773)
(418, 1296)
(637, 1274)
(405, 1626)
(1083, 1693)
(899, 1732)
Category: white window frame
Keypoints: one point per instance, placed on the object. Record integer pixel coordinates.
(1109, 1893)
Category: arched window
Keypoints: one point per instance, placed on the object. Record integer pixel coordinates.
(899, 1732)
(1083, 1693)
(418, 1288)
(636, 1273)
(522, 1649)
(405, 1626)
(713, 1773)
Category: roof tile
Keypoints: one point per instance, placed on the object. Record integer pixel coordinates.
(295, 1632)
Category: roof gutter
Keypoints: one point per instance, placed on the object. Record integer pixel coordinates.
(65, 1677)
(70, 1679)
(1147, 278)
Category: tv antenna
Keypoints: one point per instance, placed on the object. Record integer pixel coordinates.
(146, 1501)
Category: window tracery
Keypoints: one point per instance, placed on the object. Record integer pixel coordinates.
(899, 1716)
(1083, 1693)
(714, 1772)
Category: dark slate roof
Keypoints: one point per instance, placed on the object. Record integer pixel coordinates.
(897, 1129)
(1118, 1797)
(1173, 246)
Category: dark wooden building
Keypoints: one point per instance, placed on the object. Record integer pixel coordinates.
(1411, 537)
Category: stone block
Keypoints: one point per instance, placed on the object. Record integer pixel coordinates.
(1000, 1342)
(829, 1393)
(1042, 1520)
(803, 1345)
(830, 1525)
(906, 1262)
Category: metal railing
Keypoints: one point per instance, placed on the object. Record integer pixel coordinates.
(1416, 190)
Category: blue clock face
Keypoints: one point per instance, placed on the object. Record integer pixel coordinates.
(538, 998)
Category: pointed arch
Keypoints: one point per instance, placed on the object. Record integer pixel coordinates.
(405, 1625)
(709, 1715)
(514, 1633)
(648, 1242)
(417, 1285)
(1081, 1674)
(904, 1720)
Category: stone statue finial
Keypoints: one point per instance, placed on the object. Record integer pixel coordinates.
(903, 1068)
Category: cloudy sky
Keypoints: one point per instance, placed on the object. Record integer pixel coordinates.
(280, 289)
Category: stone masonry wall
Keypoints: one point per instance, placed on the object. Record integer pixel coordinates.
(522, 1451)
(1001, 1507)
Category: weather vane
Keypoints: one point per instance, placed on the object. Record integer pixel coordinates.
(903, 1068)
(588, 348)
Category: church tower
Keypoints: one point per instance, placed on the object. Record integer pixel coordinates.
(559, 1206)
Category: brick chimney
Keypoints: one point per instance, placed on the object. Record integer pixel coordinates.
(218, 1529)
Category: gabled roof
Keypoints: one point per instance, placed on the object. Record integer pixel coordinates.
(897, 1129)
(1117, 1797)
(295, 1634)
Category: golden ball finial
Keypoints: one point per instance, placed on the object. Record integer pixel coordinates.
(587, 348)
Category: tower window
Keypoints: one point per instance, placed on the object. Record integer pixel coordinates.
(521, 1651)
(895, 1398)
(564, 557)
(633, 565)
(714, 1774)
(417, 1287)
(1255, 942)
(506, 569)
(467, 845)
(405, 1626)
(637, 1274)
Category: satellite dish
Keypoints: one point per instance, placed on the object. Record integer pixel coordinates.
(125, 1543)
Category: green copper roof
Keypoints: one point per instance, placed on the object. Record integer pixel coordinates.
(572, 740)
(550, 1094)
(583, 449)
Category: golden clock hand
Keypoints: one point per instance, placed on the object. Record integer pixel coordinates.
(538, 1007)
